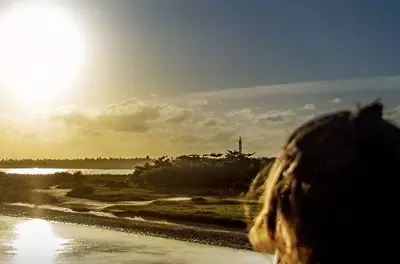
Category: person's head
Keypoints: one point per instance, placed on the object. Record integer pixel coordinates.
(331, 196)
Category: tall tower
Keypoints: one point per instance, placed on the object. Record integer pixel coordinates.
(240, 145)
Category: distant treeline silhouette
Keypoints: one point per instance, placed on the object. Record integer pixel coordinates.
(232, 170)
(85, 163)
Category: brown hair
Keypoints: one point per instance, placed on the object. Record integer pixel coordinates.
(332, 190)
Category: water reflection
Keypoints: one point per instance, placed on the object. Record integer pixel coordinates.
(36, 242)
(48, 171)
(40, 242)
(33, 171)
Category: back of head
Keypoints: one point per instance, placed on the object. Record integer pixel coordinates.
(331, 195)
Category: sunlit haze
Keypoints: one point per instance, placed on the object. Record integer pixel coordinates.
(42, 49)
(149, 77)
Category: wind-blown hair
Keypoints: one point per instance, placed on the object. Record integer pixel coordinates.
(332, 194)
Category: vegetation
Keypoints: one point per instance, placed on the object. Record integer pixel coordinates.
(86, 163)
(233, 170)
(228, 213)
(210, 185)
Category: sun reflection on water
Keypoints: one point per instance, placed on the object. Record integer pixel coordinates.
(34, 171)
(36, 242)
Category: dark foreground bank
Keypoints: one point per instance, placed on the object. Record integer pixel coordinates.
(179, 232)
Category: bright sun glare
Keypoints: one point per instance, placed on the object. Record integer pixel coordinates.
(36, 242)
(42, 49)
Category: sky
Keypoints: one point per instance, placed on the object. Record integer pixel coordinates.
(183, 76)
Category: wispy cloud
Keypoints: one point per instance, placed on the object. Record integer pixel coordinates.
(336, 100)
(202, 122)
(211, 122)
(276, 117)
(129, 122)
(246, 113)
(180, 117)
(308, 107)
(343, 85)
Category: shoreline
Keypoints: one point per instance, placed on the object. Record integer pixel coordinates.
(197, 234)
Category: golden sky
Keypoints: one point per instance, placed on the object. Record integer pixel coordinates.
(136, 78)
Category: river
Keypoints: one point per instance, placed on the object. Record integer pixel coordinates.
(47, 171)
(32, 241)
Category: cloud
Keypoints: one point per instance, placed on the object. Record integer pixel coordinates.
(112, 119)
(245, 113)
(200, 102)
(73, 118)
(135, 115)
(180, 117)
(336, 100)
(187, 139)
(122, 123)
(123, 105)
(308, 107)
(393, 114)
(338, 86)
(276, 117)
(272, 117)
(223, 135)
(188, 123)
(88, 132)
(211, 122)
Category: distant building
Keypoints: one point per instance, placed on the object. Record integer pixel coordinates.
(240, 145)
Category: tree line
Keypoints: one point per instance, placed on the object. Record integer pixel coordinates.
(84, 163)
(231, 169)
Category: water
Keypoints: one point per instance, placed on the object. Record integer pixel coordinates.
(46, 171)
(24, 241)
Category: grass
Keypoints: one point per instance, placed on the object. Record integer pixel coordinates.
(216, 207)
(227, 213)
(106, 194)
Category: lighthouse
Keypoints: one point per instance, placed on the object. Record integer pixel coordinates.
(240, 145)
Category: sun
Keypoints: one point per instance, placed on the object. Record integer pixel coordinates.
(42, 51)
